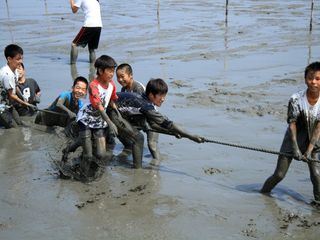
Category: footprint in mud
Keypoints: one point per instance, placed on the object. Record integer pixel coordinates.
(138, 188)
(212, 171)
(251, 230)
(288, 218)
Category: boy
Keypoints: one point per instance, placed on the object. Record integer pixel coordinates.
(139, 111)
(93, 120)
(8, 80)
(27, 90)
(302, 135)
(66, 106)
(125, 78)
(91, 30)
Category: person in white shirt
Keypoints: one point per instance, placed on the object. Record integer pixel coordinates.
(8, 87)
(90, 31)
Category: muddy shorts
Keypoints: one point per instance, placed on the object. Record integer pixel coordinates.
(303, 142)
(88, 35)
(96, 132)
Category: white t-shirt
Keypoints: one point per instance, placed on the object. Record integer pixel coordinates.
(8, 79)
(91, 10)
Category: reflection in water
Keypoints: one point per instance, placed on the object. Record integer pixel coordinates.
(226, 19)
(311, 15)
(74, 71)
(45, 7)
(158, 14)
(9, 24)
(75, 74)
(309, 47)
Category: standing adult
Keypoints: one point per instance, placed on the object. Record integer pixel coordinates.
(91, 30)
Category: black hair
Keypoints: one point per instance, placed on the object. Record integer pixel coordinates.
(156, 86)
(126, 67)
(104, 62)
(22, 65)
(312, 67)
(80, 79)
(12, 50)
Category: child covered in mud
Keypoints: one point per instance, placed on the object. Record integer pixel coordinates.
(27, 90)
(8, 86)
(140, 113)
(302, 136)
(65, 107)
(93, 121)
(125, 79)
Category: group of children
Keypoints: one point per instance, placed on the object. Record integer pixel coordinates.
(109, 114)
(126, 113)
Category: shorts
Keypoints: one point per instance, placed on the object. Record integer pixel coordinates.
(96, 132)
(302, 140)
(88, 35)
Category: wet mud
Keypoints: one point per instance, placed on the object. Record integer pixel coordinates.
(229, 78)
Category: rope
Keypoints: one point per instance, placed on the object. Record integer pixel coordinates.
(307, 160)
(259, 150)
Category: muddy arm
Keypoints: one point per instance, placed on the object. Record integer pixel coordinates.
(60, 105)
(314, 139)
(296, 151)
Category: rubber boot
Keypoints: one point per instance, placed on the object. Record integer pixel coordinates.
(92, 56)
(73, 54)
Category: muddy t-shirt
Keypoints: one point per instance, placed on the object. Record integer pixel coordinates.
(137, 87)
(300, 111)
(138, 110)
(99, 93)
(69, 102)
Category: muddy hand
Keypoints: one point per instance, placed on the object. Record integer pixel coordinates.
(297, 153)
(197, 139)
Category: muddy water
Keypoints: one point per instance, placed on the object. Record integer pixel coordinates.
(229, 81)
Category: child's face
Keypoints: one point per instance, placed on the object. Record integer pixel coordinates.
(79, 90)
(313, 81)
(106, 75)
(21, 71)
(15, 62)
(157, 99)
(124, 78)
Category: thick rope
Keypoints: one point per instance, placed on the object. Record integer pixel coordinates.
(307, 160)
(259, 150)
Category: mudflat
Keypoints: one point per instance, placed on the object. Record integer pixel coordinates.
(230, 78)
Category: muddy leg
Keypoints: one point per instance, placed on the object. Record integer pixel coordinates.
(280, 172)
(315, 178)
(73, 54)
(92, 56)
(152, 139)
(137, 150)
